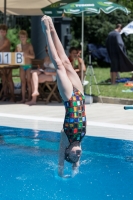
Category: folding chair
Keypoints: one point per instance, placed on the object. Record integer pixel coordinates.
(49, 91)
(37, 63)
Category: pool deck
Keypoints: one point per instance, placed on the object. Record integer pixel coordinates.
(103, 120)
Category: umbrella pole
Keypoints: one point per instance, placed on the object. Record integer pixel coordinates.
(82, 29)
(4, 11)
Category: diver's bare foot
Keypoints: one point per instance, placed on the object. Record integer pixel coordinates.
(51, 25)
(35, 94)
(30, 103)
(22, 101)
(45, 23)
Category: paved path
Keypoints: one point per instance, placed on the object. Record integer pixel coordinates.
(103, 120)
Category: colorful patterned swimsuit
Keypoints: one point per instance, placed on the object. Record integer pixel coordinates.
(75, 117)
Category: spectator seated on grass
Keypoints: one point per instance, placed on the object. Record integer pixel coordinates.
(47, 74)
(76, 60)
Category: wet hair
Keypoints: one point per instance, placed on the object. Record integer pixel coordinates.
(72, 49)
(118, 26)
(67, 157)
(3, 27)
(23, 32)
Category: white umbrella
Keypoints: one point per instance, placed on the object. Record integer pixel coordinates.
(128, 29)
(24, 7)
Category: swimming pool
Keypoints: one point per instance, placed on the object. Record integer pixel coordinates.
(28, 169)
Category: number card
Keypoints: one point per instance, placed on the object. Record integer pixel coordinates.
(0, 58)
(6, 58)
(19, 58)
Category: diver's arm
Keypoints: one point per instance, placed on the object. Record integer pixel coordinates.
(75, 168)
(63, 144)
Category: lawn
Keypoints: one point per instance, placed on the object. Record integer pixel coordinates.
(101, 74)
(107, 89)
(16, 77)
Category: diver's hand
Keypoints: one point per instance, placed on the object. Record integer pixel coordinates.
(67, 176)
(64, 176)
(75, 171)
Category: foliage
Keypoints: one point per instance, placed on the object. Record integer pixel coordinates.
(127, 3)
(12, 35)
(16, 23)
(97, 28)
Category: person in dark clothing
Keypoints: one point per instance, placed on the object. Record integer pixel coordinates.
(117, 53)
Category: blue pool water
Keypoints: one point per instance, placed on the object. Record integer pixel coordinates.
(28, 168)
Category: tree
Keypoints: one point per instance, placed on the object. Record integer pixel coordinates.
(127, 3)
(97, 28)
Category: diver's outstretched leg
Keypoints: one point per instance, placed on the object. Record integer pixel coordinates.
(64, 84)
(74, 78)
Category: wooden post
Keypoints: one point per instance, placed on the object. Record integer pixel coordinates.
(5, 11)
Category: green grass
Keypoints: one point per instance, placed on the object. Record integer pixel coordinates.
(15, 73)
(108, 90)
(101, 75)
